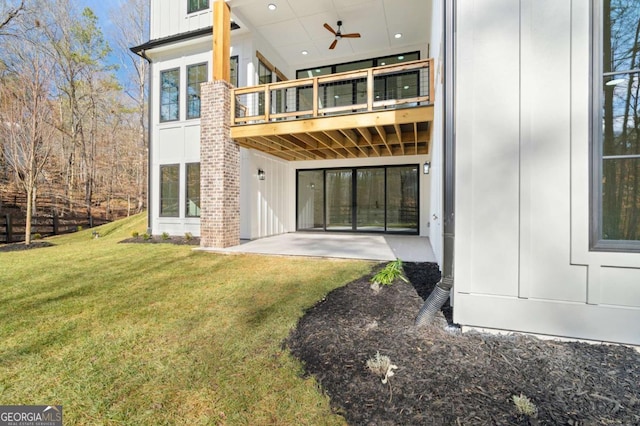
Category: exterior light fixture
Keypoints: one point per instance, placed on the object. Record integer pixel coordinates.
(272, 6)
(261, 175)
(305, 52)
(397, 35)
(426, 167)
(400, 58)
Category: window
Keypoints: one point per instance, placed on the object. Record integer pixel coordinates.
(169, 190)
(265, 76)
(170, 95)
(233, 74)
(399, 85)
(193, 190)
(617, 127)
(196, 5)
(196, 74)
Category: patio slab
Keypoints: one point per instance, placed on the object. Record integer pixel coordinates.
(408, 248)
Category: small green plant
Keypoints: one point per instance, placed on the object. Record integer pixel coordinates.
(389, 273)
(524, 406)
(188, 236)
(135, 234)
(165, 236)
(79, 228)
(37, 236)
(146, 236)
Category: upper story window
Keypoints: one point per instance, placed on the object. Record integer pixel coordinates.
(170, 95)
(233, 74)
(616, 129)
(196, 75)
(196, 5)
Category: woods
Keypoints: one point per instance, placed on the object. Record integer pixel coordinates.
(72, 108)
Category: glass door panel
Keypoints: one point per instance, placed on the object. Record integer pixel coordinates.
(370, 199)
(339, 200)
(402, 199)
(310, 212)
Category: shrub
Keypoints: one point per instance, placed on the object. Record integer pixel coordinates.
(135, 234)
(79, 228)
(389, 273)
(188, 236)
(524, 406)
(146, 236)
(37, 236)
(165, 236)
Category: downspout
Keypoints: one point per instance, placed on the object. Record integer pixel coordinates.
(442, 291)
(143, 55)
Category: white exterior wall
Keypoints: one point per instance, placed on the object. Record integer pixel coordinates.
(170, 17)
(174, 142)
(522, 259)
(264, 207)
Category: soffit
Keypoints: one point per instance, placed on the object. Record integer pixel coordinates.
(297, 25)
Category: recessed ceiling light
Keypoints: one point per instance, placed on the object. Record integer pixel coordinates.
(406, 87)
(383, 63)
(272, 6)
(400, 58)
(398, 35)
(304, 52)
(336, 96)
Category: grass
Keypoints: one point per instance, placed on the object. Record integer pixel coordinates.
(154, 334)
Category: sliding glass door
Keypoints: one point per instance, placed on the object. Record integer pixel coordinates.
(370, 202)
(367, 199)
(339, 200)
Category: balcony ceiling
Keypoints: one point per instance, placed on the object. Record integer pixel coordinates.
(297, 25)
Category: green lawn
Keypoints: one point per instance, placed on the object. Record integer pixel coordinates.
(152, 334)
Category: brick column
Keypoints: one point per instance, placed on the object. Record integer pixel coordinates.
(219, 169)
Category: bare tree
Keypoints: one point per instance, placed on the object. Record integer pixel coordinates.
(79, 51)
(132, 22)
(8, 12)
(26, 119)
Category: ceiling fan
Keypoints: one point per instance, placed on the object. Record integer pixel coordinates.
(338, 34)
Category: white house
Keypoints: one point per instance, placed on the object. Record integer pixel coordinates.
(325, 116)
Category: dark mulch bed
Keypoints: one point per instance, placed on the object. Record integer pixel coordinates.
(23, 246)
(448, 378)
(157, 239)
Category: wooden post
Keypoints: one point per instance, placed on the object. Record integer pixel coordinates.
(221, 41)
(8, 228)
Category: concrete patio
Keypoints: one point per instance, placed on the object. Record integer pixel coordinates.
(408, 248)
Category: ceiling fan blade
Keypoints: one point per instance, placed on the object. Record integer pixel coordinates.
(328, 27)
(351, 35)
(333, 45)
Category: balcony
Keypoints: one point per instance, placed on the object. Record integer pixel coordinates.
(373, 112)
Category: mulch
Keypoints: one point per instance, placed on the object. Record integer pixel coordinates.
(158, 239)
(444, 377)
(22, 246)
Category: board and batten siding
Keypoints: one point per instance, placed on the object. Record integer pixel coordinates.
(522, 258)
(170, 17)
